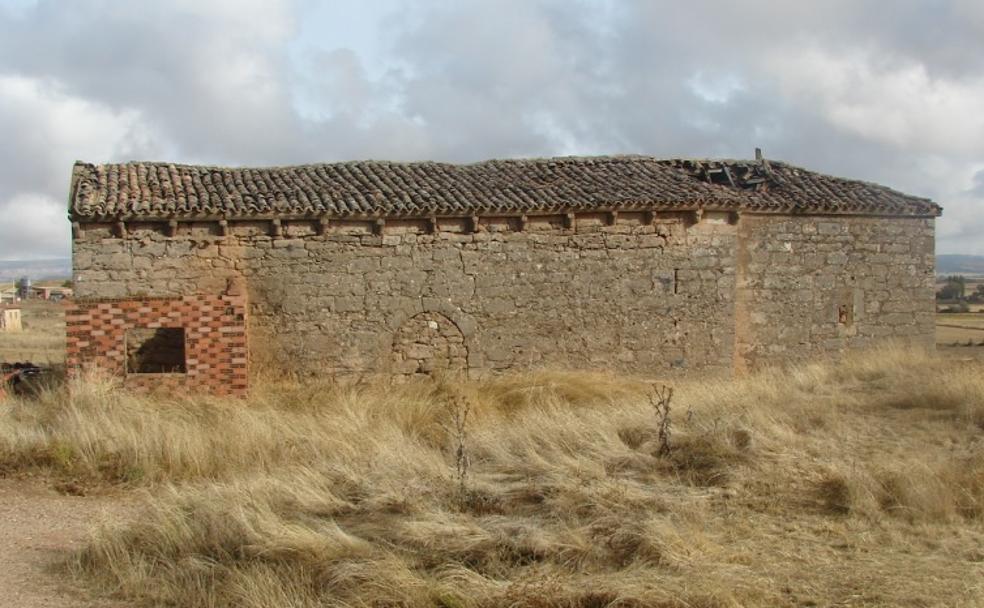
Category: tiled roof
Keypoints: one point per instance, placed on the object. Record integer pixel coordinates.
(374, 188)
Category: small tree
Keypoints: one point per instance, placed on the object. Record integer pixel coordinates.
(954, 288)
(659, 399)
(459, 408)
(947, 292)
(959, 283)
(978, 295)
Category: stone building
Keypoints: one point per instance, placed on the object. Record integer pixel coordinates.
(633, 263)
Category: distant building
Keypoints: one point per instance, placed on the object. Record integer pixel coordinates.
(24, 288)
(8, 294)
(644, 265)
(50, 293)
(10, 319)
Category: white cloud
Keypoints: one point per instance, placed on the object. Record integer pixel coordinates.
(897, 104)
(52, 118)
(715, 88)
(33, 223)
(842, 87)
(47, 130)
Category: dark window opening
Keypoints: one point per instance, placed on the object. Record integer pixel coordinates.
(155, 351)
(845, 314)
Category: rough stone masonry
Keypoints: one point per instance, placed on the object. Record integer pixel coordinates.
(630, 263)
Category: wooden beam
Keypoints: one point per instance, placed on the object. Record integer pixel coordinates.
(731, 180)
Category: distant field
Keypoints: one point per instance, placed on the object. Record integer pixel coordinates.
(972, 320)
(43, 338)
(961, 330)
(960, 335)
(953, 336)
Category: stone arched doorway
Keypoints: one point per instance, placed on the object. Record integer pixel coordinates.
(427, 343)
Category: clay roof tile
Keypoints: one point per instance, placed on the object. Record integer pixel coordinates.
(375, 188)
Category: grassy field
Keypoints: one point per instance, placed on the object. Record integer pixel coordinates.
(43, 339)
(960, 329)
(857, 483)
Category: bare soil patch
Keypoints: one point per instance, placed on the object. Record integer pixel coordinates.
(40, 528)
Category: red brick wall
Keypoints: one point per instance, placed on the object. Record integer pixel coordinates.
(215, 340)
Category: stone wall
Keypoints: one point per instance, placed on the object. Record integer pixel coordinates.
(624, 291)
(810, 285)
(627, 291)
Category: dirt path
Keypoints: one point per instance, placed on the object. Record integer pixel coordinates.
(38, 527)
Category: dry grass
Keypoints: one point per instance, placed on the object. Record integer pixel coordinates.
(860, 483)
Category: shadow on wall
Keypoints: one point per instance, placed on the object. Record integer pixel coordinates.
(155, 351)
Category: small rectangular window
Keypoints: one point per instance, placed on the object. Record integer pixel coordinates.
(849, 307)
(155, 351)
(845, 314)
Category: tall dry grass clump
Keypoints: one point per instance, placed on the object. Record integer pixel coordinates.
(97, 433)
(542, 489)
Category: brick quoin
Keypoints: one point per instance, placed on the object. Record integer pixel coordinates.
(216, 349)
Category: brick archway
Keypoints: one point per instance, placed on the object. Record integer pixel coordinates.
(427, 343)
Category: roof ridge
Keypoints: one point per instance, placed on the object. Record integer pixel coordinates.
(390, 162)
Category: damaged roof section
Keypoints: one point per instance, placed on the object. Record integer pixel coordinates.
(149, 190)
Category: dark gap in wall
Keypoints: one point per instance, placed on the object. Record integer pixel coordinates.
(676, 280)
(845, 310)
(155, 351)
(844, 314)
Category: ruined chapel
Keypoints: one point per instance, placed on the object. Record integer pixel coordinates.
(188, 275)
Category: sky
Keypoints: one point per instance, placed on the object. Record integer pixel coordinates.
(891, 91)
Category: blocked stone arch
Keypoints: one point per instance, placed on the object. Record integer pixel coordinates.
(428, 343)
